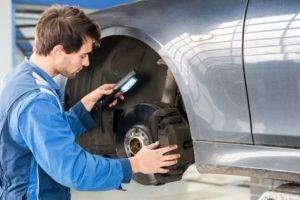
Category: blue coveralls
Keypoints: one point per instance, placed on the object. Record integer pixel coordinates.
(39, 158)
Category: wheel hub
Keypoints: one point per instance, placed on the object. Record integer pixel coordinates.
(135, 139)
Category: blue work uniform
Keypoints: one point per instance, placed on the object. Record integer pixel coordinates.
(39, 157)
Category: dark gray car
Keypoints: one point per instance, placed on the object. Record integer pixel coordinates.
(219, 78)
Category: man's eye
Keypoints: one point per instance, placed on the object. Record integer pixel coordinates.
(83, 56)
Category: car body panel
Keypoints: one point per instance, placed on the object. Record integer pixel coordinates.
(248, 160)
(204, 53)
(272, 46)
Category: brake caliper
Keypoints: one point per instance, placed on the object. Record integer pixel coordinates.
(169, 127)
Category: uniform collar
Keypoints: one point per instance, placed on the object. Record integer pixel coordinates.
(51, 83)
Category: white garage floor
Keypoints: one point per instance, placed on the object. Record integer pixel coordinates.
(193, 186)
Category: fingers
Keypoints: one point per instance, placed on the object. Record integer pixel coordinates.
(171, 157)
(105, 92)
(107, 86)
(107, 89)
(152, 160)
(113, 103)
(119, 95)
(153, 145)
(167, 149)
(169, 163)
(162, 171)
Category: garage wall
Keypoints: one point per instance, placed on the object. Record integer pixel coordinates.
(6, 37)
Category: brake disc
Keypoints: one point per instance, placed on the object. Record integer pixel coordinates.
(133, 133)
(146, 123)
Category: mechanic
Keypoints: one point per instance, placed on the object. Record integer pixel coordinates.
(39, 158)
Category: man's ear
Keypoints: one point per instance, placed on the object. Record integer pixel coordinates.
(58, 50)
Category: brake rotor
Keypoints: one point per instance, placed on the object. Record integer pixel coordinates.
(144, 124)
(133, 133)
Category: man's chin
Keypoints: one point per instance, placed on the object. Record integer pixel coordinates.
(71, 76)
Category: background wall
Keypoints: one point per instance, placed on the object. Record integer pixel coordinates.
(6, 37)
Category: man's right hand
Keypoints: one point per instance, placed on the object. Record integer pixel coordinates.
(150, 160)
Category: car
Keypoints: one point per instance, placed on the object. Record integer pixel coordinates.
(218, 78)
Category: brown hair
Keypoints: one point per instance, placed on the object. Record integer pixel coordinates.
(64, 25)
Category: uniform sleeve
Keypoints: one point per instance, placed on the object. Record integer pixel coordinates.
(79, 119)
(52, 143)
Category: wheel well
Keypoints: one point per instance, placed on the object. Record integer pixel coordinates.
(116, 56)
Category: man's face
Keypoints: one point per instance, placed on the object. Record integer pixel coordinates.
(73, 63)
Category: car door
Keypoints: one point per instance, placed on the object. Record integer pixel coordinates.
(272, 69)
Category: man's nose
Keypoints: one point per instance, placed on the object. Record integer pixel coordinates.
(86, 61)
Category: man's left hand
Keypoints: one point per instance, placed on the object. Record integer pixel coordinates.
(91, 99)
